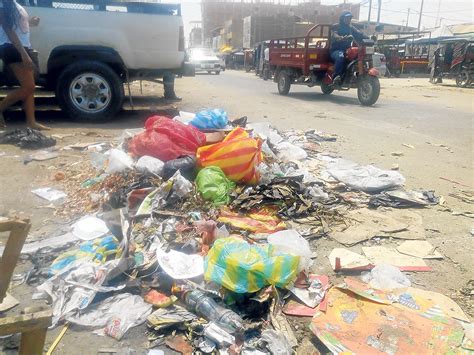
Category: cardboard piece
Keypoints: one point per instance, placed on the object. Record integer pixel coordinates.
(366, 224)
(357, 325)
(420, 249)
(348, 260)
(381, 255)
(8, 303)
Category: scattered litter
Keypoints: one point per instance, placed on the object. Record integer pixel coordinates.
(386, 277)
(398, 154)
(115, 315)
(344, 259)
(185, 165)
(420, 249)
(89, 228)
(118, 161)
(315, 293)
(40, 156)
(263, 220)
(288, 152)
(464, 196)
(277, 342)
(158, 299)
(27, 138)
(403, 199)
(179, 343)
(291, 242)
(408, 145)
(49, 194)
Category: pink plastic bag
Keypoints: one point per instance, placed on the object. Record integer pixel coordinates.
(166, 139)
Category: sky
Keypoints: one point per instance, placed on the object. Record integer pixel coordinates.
(392, 11)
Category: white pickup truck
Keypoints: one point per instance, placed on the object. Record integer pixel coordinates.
(88, 49)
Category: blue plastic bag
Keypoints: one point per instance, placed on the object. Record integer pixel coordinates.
(210, 119)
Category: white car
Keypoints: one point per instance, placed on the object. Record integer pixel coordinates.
(205, 60)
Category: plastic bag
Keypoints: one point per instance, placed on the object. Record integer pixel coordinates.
(212, 183)
(365, 178)
(210, 119)
(291, 242)
(147, 164)
(386, 277)
(290, 152)
(277, 343)
(245, 268)
(185, 165)
(118, 161)
(237, 155)
(166, 139)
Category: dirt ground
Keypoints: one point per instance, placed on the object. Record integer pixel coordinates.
(434, 122)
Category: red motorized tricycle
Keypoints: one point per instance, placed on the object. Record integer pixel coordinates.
(306, 61)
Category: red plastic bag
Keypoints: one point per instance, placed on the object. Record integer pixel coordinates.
(166, 139)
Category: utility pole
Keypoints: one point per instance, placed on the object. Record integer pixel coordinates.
(378, 12)
(421, 14)
(408, 18)
(437, 15)
(370, 11)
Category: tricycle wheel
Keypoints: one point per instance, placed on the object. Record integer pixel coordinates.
(462, 80)
(284, 83)
(368, 90)
(327, 89)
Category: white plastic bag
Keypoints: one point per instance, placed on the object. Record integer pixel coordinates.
(89, 228)
(386, 277)
(290, 152)
(118, 161)
(291, 242)
(179, 265)
(147, 164)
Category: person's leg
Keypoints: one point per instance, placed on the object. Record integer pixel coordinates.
(338, 58)
(168, 85)
(26, 79)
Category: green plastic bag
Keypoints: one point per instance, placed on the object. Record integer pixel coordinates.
(245, 268)
(214, 185)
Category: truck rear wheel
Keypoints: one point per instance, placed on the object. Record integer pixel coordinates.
(90, 91)
(368, 90)
(284, 83)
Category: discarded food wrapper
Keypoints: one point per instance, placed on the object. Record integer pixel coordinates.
(218, 335)
(118, 161)
(171, 316)
(179, 265)
(89, 227)
(244, 268)
(314, 294)
(49, 194)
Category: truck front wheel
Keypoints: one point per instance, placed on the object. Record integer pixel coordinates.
(284, 83)
(90, 91)
(368, 90)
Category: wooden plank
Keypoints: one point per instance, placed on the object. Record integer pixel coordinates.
(32, 342)
(6, 226)
(26, 322)
(18, 233)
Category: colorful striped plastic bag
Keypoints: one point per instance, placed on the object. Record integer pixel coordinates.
(237, 155)
(245, 268)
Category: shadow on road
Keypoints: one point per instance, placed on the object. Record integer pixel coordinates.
(318, 97)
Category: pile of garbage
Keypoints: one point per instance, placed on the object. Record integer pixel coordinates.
(201, 227)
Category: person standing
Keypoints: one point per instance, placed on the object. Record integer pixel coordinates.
(15, 51)
(342, 35)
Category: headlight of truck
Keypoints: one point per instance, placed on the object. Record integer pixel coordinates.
(369, 50)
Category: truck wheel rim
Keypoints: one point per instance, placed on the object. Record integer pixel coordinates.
(90, 92)
(282, 82)
(366, 90)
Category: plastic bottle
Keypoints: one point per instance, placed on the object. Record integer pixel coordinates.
(206, 307)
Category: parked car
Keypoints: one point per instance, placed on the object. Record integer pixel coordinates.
(88, 50)
(205, 60)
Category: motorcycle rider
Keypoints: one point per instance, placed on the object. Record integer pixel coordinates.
(342, 35)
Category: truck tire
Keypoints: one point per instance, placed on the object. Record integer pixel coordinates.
(90, 91)
(284, 83)
(368, 90)
(326, 89)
